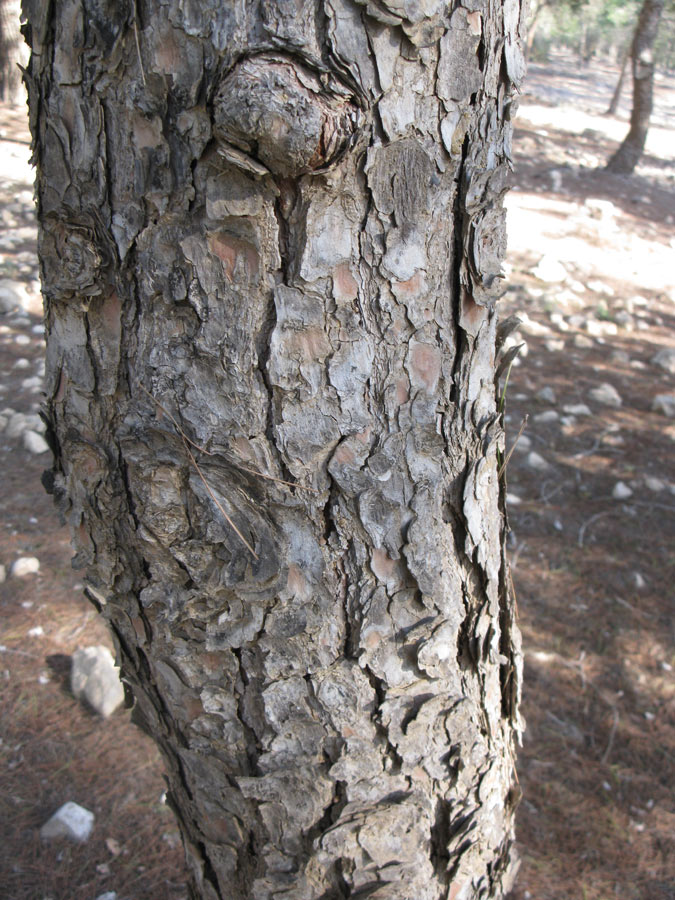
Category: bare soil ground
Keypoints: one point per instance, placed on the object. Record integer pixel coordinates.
(594, 574)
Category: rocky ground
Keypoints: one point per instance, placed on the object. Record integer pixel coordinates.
(592, 514)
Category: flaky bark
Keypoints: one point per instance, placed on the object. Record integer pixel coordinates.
(271, 237)
(628, 155)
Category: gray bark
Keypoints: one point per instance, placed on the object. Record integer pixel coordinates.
(642, 54)
(271, 236)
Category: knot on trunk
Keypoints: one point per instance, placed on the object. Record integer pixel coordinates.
(283, 116)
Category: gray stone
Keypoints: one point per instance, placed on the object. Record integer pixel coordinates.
(3, 573)
(22, 363)
(94, 677)
(621, 491)
(12, 295)
(577, 409)
(554, 345)
(524, 443)
(24, 565)
(654, 484)
(624, 320)
(34, 443)
(513, 499)
(606, 394)
(16, 425)
(664, 403)
(69, 821)
(535, 461)
(33, 383)
(546, 417)
(546, 395)
(582, 342)
(620, 356)
(665, 359)
(108, 895)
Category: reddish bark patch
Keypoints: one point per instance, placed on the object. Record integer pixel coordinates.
(231, 251)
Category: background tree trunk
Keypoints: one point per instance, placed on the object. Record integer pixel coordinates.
(11, 51)
(271, 237)
(628, 155)
(616, 96)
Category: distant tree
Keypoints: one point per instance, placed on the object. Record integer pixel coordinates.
(627, 156)
(616, 96)
(11, 49)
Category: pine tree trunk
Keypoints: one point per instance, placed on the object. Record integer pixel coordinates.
(616, 96)
(11, 51)
(271, 237)
(628, 155)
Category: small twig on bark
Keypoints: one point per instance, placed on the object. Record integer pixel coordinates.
(278, 480)
(138, 43)
(186, 444)
(503, 466)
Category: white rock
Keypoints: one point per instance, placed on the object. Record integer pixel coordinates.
(16, 425)
(554, 345)
(22, 363)
(577, 409)
(12, 294)
(599, 287)
(535, 461)
(550, 270)
(513, 499)
(34, 442)
(621, 491)
(24, 565)
(546, 417)
(664, 403)
(21, 339)
(665, 359)
(109, 895)
(70, 821)
(95, 678)
(559, 321)
(568, 421)
(600, 329)
(532, 327)
(654, 484)
(600, 209)
(639, 581)
(36, 632)
(606, 394)
(34, 383)
(582, 342)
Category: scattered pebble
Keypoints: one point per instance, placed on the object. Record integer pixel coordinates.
(554, 345)
(69, 821)
(550, 270)
(34, 442)
(513, 499)
(546, 395)
(606, 394)
(524, 443)
(34, 383)
(577, 409)
(664, 403)
(654, 484)
(108, 895)
(24, 565)
(22, 363)
(639, 581)
(546, 417)
(582, 342)
(536, 461)
(599, 287)
(621, 491)
(665, 359)
(620, 356)
(21, 339)
(36, 632)
(94, 677)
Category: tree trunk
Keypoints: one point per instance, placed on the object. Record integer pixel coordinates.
(11, 51)
(271, 237)
(628, 155)
(616, 96)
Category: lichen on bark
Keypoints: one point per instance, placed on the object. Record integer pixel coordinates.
(271, 238)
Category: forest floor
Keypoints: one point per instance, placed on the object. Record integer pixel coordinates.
(593, 563)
